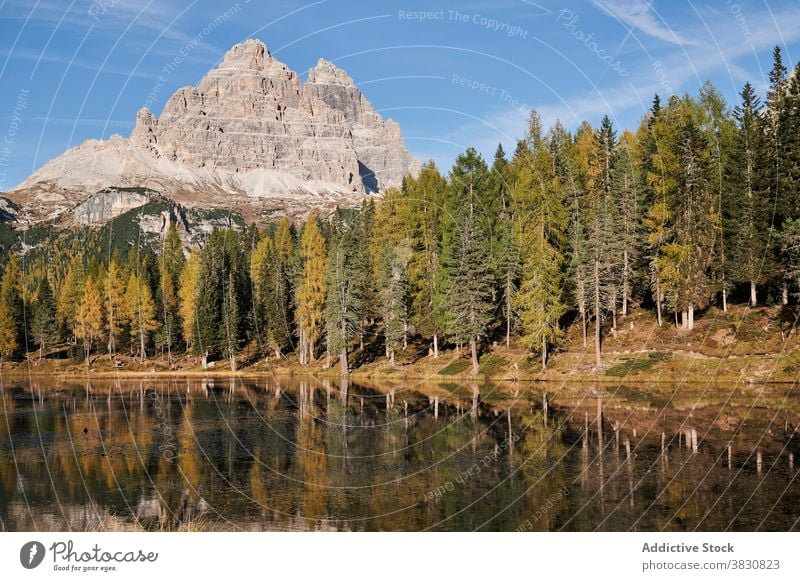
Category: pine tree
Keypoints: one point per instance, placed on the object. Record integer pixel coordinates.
(626, 186)
(346, 273)
(311, 289)
(281, 308)
(467, 263)
(394, 297)
(506, 253)
(43, 325)
(70, 295)
(749, 214)
(171, 262)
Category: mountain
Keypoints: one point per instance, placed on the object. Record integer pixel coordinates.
(249, 137)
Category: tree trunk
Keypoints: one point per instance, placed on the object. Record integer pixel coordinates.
(508, 327)
(691, 317)
(473, 348)
(232, 357)
(597, 311)
(684, 319)
(753, 295)
(614, 312)
(343, 362)
(625, 289)
(584, 325)
(301, 353)
(391, 358)
(435, 345)
(658, 303)
(544, 352)
(785, 294)
(724, 300)
(141, 344)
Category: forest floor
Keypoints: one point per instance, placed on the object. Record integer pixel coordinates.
(743, 345)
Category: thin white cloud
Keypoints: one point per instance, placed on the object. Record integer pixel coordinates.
(723, 47)
(639, 15)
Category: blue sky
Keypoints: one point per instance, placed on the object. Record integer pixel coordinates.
(453, 74)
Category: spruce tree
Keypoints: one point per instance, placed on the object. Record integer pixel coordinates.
(43, 325)
(469, 294)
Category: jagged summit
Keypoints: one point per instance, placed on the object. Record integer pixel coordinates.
(249, 134)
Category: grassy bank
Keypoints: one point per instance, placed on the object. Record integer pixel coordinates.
(742, 345)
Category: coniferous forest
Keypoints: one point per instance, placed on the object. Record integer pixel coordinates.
(697, 206)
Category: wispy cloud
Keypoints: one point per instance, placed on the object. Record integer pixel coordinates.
(639, 15)
(720, 47)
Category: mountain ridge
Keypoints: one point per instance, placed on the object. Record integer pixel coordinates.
(249, 135)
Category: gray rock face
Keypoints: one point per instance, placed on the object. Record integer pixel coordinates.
(108, 204)
(248, 135)
(8, 210)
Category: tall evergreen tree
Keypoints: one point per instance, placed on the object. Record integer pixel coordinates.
(43, 325)
(469, 289)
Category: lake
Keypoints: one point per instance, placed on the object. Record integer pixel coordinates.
(313, 454)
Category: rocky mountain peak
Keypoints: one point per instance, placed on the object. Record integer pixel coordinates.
(251, 54)
(327, 73)
(248, 132)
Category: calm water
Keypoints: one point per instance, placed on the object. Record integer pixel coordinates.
(309, 455)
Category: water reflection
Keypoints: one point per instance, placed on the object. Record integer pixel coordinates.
(308, 454)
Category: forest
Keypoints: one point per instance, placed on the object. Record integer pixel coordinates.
(698, 206)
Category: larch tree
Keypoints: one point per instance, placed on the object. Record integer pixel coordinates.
(188, 298)
(140, 309)
(311, 289)
(540, 228)
(8, 333)
(90, 322)
(114, 303)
